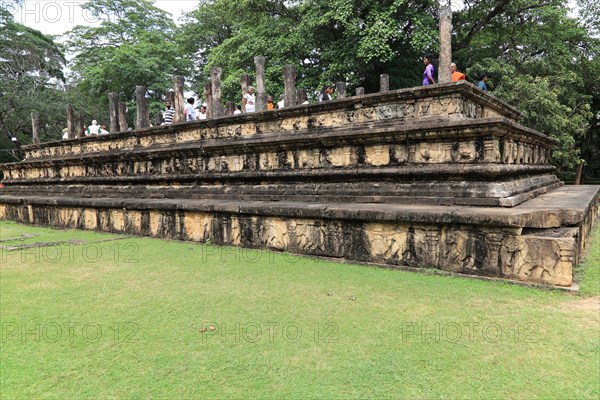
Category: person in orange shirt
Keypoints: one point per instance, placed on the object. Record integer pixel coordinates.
(456, 76)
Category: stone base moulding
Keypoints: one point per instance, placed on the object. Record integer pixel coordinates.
(533, 243)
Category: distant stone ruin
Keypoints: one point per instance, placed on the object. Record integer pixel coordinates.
(441, 176)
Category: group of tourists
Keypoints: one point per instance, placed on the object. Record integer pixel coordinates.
(429, 74)
(248, 105)
(249, 97)
(92, 130)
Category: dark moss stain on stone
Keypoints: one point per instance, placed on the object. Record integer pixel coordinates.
(181, 232)
(247, 231)
(479, 154)
(145, 223)
(361, 154)
(282, 159)
(167, 224)
(296, 164)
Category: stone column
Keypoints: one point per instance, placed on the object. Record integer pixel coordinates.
(384, 83)
(35, 127)
(208, 94)
(215, 104)
(113, 111)
(142, 119)
(122, 117)
(245, 81)
(340, 90)
(70, 122)
(289, 79)
(360, 91)
(80, 125)
(261, 97)
(445, 73)
(179, 103)
(230, 107)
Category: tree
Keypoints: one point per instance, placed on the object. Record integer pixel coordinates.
(535, 55)
(31, 79)
(353, 41)
(134, 45)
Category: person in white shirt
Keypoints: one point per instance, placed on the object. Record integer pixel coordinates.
(202, 112)
(93, 129)
(190, 112)
(249, 100)
(281, 102)
(237, 111)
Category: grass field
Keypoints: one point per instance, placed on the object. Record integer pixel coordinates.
(105, 316)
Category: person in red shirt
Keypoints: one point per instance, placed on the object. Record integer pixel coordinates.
(456, 76)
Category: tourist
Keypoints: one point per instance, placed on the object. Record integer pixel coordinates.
(168, 114)
(456, 76)
(281, 102)
(482, 84)
(190, 111)
(65, 133)
(303, 99)
(93, 129)
(103, 130)
(202, 112)
(429, 71)
(238, 110)
(248, 101)
(325, 94)
(270, 105)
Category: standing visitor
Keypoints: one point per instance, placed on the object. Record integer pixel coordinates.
(93, 129)
(325, 94)
(202, 112)
(456, 76)
(281, 102)
(238, 110)
(270, 105)
(482, 84)
(429, 71)
(168, 114)
(248, 101)
(190, 112)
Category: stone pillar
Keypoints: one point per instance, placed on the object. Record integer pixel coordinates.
(122, 117)
(113, 111)
(230, 107)
(360, 91)
(445, 73)
(142, 119)
(245, 81)
(340, 90)
(384, 83)
(261, 97)
(215, 104)
(80, 125)
(208, 94)
(179, 103)
(70, 122)
(35, 127)
(289, 79)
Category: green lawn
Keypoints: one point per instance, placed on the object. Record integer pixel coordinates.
(109, 316)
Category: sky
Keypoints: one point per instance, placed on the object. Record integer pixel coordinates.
(55, 17)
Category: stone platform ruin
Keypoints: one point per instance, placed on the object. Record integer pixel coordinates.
(441, 176)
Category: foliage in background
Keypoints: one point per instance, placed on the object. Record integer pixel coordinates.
(535, 56)
(31, 79)
(134, 45)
